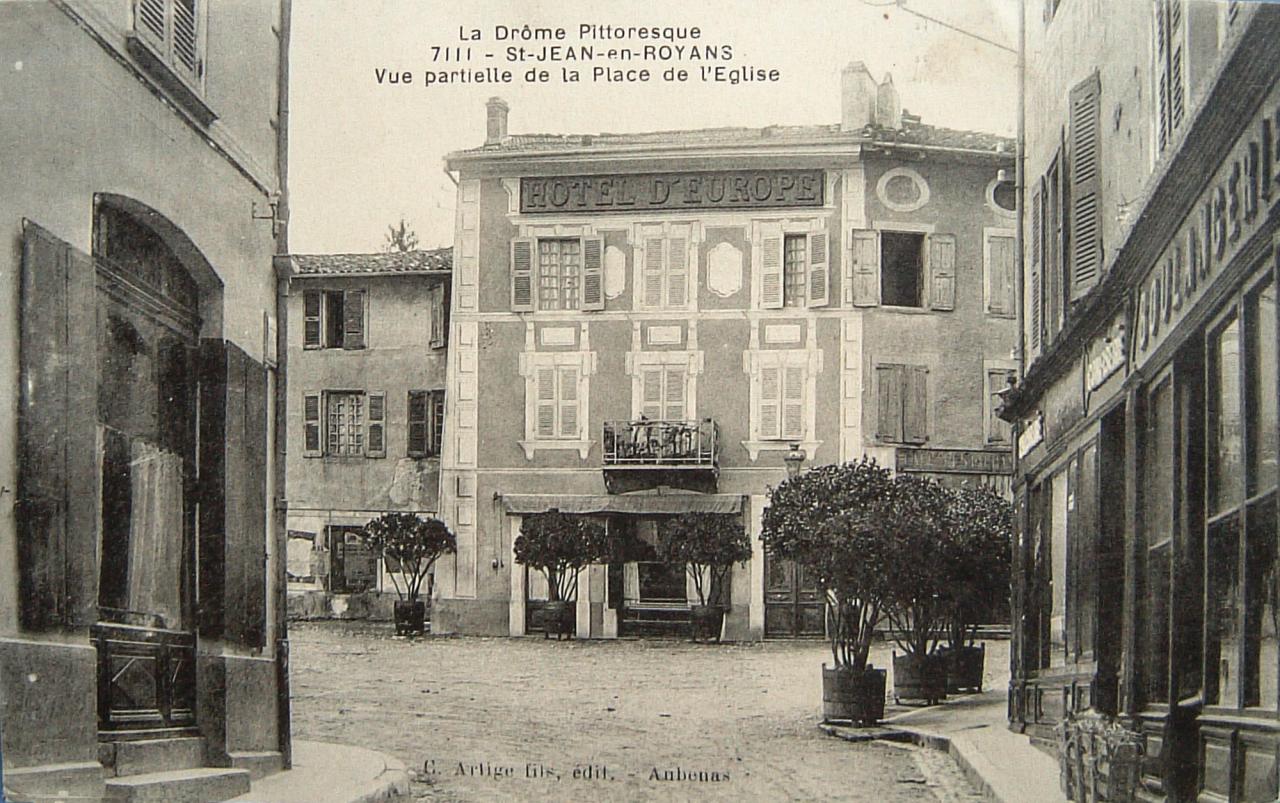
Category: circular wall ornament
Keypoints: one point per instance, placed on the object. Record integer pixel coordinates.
(1001, 197)
(902, 189)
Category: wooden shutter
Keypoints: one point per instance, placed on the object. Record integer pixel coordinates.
(678, 270)
(771, 244)
(186, 40)
(1086, 219)
(438, 328)
(247, 542)
(1037, 264)
(151, 23)
(651, 393)
(311, 306)
(569, 407)
(311, 443)
(942, 271)
(436, 443)
(375, 440)
(593, 273)
(889, 393)
(770, 402)
(353, 318)
(654, 261)
(417, 418)
(819, 270)
(999, 271)
(915, 415)
(545, 403)
(673, 395)
(1171, 85)
(866, 268)
(522, 274)
(56, 509)
(793, 402)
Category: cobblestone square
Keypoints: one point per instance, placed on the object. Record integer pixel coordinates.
(529, 719)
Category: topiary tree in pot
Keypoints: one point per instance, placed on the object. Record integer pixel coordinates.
(708, 544)
(979, 540)
(916, 517)
(415, 544)
(560, 545)
(828, 520)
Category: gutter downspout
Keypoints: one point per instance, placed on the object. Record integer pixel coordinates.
(283, 709)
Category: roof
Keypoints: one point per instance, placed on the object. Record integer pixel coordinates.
(408, 262)
(912, 133)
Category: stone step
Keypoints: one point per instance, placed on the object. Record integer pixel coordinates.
(140, 756)
(200, 785)
(259, 764)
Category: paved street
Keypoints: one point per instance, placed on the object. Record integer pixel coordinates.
(483, 719)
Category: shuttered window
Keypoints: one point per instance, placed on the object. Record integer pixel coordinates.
(311, 425)
(439, 322)
(1085, 186)
(418, 423)
(311, 319)
(664, 392)
(334, 319)
(376, 432)
(345, 418)
(1034, 324)
(902, 269)
(819, 269)
(172, 29)
(563, 273)
(794, 270)
(864, 284)
(781, 403)
(665, 267)
(942, 271)
(557, 408)
(1171, 82)
(902, 403)
(999, 268)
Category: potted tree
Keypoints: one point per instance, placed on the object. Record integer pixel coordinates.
(979, 536)
(708, 544)
(560, 545)
(415, 544)
(828, 520)
(915, 516)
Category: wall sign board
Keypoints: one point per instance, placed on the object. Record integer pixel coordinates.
(722, 189)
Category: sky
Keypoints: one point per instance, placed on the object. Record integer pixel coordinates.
(365, 154)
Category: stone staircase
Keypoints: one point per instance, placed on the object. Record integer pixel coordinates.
(172, 769)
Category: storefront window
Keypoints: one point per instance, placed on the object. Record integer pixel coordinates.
(1058, 578)
(1226, 449)
(1158, 509)
(1264, 441)
(1223, 644)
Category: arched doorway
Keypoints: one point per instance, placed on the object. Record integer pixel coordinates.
(148, 317)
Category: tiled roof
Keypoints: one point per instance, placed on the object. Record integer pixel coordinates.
(912, 133)
(357, 264)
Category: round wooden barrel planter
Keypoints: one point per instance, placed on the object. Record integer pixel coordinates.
(854, 697)
(964, 668)
(706, 621)
(409, 617)
(919, 678)
(559, 619)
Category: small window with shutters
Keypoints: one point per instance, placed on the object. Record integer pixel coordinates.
(780, 404)
(902, 403)
(794, 268)
(311, 307)
(560, 273)
(664, 393)
(311, 425)
(998, 266)
(425, 422)
(1170, 71)
(557, 409)
(439, 321)
(173, 30)
(665, 267)
(334, 319)
(376, 432)
(902, 269)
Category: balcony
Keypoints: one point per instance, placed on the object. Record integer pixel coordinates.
(647, 453)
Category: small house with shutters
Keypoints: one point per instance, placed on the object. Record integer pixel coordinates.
(143, 645)
(648, 324)
(365, 416)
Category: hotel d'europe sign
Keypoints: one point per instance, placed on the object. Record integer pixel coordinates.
(636, 192)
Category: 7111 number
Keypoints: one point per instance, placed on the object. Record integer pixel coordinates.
(439, 53)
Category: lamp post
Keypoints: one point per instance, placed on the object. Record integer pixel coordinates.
(794, 460)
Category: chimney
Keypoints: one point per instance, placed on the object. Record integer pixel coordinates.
(496, 121)
(888, 104)
(857, 97)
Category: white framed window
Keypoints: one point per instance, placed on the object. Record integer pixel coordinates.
(664, 384)
(557, 273)
(999, 262)
(344, 423)
(557, 400)
(666, 262)
(783, 395)
(791, 265)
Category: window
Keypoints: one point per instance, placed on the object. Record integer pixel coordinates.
(439, 317)
(1084, 133)
(173, 29)
(559, 273)
(902, 265)
(426, 423)
(344, 423)
(353, 567)
(556, 402)
(664, 281)
(333, 319)
(793, 268)
(902, 269)
(1158, 520)
(557, 413)
(1171, 82)
(794, 271)
(903, 403)
(999, 264)
(782, 402)
(998, 430)
(664, 392)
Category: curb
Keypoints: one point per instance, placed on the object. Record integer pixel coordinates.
(976, 768)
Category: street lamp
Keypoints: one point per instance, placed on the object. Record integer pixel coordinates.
(794, 459)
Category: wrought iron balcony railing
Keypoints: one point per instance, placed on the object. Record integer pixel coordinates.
(652, 442)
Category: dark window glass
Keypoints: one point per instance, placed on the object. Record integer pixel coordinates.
(1264, 445)
(793, 270)
(901, 268)
(1226, 436)
(1158, 509)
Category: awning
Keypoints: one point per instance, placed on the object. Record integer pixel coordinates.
(623, 503)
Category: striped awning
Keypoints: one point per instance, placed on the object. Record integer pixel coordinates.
(623, 503)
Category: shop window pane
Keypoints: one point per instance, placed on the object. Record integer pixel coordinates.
(1084, 532)
(1157, 520)
(1058, 579)
(1157, 607)
(1264, 442)
(1226, 449)
(1222, 647)
(1261, 615)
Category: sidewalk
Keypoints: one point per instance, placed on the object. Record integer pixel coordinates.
(1002, 764)
(332, 773)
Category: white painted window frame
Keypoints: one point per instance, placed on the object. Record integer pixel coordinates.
(533, 361)
(693, 241)
(807, 359)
